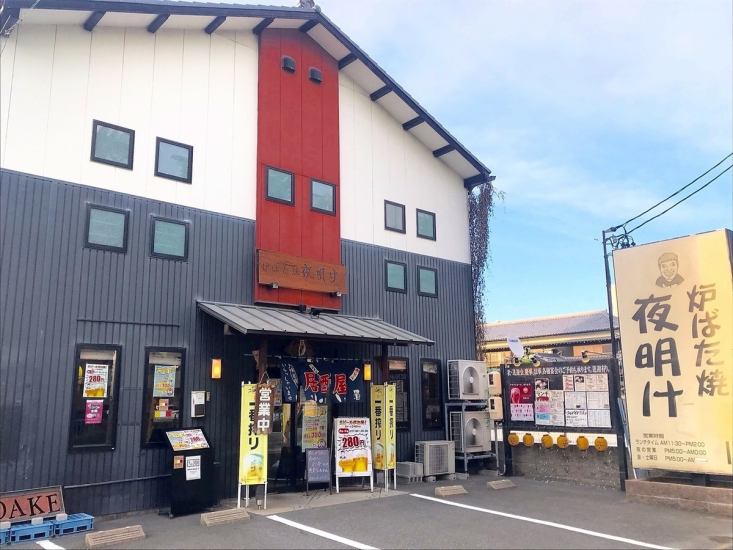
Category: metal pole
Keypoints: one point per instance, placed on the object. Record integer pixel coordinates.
(615, 371)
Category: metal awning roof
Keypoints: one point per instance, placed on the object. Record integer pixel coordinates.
(325, 326)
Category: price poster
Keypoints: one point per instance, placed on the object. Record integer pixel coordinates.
(164, 381)
(315, 426)
(186, 440)
(352, 447)
(95, 380)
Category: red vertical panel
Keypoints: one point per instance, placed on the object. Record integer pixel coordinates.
(298, 133)
(268, 149)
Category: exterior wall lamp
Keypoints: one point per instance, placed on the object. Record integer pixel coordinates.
(216, 369)
(367, 371)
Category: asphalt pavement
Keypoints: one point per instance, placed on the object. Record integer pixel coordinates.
(532, 515)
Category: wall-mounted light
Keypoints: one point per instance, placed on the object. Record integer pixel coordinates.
(367, 371)
(336, 294)
(216, 369)
(536, 361)
(274, 285)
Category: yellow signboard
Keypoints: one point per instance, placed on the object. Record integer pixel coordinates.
(676, 320)
(252, 447)
(384, 426)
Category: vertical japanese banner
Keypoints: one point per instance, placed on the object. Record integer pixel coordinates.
(252, 447)
(676, 321)
(378, 425)
(390, 424)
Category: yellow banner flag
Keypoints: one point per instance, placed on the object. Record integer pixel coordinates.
(252, 447)
(384, 429)
(676, 320)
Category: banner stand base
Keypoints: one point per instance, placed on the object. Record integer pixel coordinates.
(246, 495)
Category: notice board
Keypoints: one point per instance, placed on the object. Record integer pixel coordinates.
(565, 396)
(318, 465)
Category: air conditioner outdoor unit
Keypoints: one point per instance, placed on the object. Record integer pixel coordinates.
(437, 457)
(471, 431)
(467, 380)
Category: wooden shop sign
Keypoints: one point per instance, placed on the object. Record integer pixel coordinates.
(285, 271)
(33, 503)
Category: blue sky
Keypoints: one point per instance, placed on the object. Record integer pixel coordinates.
(587, 112)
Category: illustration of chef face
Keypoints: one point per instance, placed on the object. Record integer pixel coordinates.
(668, 269)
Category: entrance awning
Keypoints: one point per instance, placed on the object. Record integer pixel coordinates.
(326, 326)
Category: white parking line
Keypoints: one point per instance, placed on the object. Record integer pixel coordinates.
(547, 523)
(48, 545)
(324, 534)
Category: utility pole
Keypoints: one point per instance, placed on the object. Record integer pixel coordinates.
(615, 370)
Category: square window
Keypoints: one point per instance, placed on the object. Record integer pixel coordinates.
(173, 160)
(94, 399)
(323, 197)
(112, 144)
(394, 216)
(170, 239)
(106, 228)
(425, 224)
(396, 274)
(427, 281)
(280, 186)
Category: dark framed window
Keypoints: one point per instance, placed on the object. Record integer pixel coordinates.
(94, 397)
(106, 228)
(169, 239)
(395, 276)
(163, 397)
(399, 374)
(280, 186)
(432, 402)
(394, 216)
(425, 224)
(112, 144)
(323, 197)
(173, 160)
(427, 281)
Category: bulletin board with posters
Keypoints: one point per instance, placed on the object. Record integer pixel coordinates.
(676, 322)
(567, 396)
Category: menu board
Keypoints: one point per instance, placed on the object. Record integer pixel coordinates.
(187, 440)
(562, 395)
(318, 465)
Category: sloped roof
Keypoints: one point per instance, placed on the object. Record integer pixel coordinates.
(210, 17)
(571, 323)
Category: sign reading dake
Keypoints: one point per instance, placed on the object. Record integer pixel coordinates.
(35, 503)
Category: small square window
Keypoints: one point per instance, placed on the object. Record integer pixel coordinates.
(323, 197)
(173, 160)
(425, 224)
(396, 275)
(170, 239)
(394, 216)
(106, 228)
(427, 281)
(280, 186)
(112, 144)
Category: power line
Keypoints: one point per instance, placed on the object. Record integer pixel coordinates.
(676, 192)
(679, 201)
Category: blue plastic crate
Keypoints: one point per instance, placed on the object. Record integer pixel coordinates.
(27, 531)
(4, 536)
(75, 523)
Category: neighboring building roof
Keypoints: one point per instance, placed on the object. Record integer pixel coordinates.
(288, 322)
(351, 59)
(571, 323)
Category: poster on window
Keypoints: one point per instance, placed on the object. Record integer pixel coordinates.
(164, 380)
(521, 402)
(315, 426)
(93, 411)
(95, 380)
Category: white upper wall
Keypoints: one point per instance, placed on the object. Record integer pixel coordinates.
(380, 161)
(183, 85)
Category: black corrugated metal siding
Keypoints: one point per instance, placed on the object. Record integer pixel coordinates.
(55, 294)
